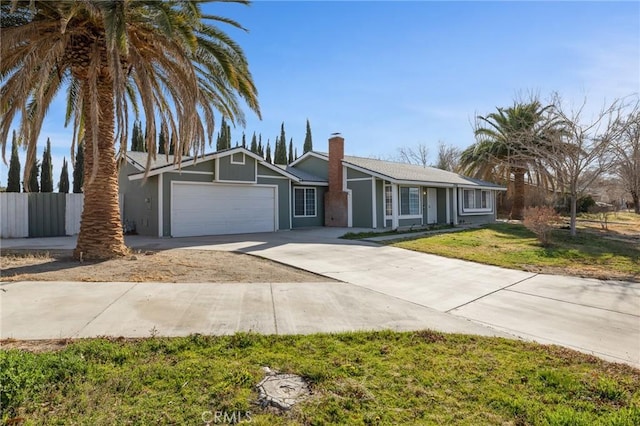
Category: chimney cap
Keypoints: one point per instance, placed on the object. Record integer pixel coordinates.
(336, 134)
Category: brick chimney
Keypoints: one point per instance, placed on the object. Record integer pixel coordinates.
(335, 199)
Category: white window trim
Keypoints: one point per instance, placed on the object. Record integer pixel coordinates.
(476, 211)
(315, 200)
(237, 162)
(384, 197)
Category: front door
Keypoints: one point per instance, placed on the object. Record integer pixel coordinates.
(432, 206)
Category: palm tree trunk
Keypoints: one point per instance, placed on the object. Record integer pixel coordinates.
(518, 194)
(100, 227)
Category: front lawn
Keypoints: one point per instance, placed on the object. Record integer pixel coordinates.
(513, 246)
(356, 378)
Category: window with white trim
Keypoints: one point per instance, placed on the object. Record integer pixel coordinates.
(409, 201)
(237, 158)
(388, 200)
(304, 202)
(476, 200)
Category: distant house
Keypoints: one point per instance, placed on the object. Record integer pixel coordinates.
(236, 191)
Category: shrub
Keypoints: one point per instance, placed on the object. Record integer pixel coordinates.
(584, 203)
(541, 221)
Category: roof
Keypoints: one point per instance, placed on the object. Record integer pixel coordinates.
(139, 160)
(303, 176)
(403, 172)
(164, 163)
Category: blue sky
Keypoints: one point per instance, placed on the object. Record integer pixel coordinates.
(393, 74)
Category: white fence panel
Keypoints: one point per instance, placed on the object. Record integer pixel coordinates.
(14, 215)
(73, 212)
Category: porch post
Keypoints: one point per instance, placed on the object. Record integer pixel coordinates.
(455, 205)
(160, 206)
(448, 204)
(374, 207)
(395, 223)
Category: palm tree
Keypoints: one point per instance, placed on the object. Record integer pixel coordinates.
(507, 142)
(168, 56)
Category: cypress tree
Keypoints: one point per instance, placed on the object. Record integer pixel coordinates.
(142, 139)
(308, 144)
(224, 136)
(162, 140)
(63, 185)
(138, 139)
(244, 141)
(13, 181)
(254, 144)
(276, 147)
(296, 154)
(134, 132)
(33, 177)
(290, 151)
(280, 154)
(142, 142)
(269, 153)
(172, 145)
(78, 170)
(46, 178)
(260, 147)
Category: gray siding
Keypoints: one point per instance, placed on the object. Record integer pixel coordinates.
(140, 202)
(166, 194)
(409, 222)
(264, 171)
(46, 214)
(318, 220)
(315, 166)
(361, 203)
(237, 172)
(355, 174)
(284, 219)
(476, 219)
(200, 166)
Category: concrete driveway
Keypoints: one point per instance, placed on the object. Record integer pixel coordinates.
(593, 316)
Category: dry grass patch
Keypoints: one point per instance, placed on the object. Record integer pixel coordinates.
(177, 265)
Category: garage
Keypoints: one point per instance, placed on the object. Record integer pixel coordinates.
(214, 209)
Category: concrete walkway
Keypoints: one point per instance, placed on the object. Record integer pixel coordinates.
(385, 287)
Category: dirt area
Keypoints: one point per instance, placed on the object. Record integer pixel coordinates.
(172, 266)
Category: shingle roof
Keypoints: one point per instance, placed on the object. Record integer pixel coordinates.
(139, 160)
(412, 172)
(302, 175)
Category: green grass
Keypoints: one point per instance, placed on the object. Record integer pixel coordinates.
(357, 378)
(513, 246)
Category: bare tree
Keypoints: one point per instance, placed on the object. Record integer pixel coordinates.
(418, 155)
(627, 149)
(448, 157)
(581, 151)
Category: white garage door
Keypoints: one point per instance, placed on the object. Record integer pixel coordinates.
(207, 209)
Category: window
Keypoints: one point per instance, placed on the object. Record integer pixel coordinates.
(237, 158)
(409, 201)
(476, 200)
(304, 202)
(388, 201)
